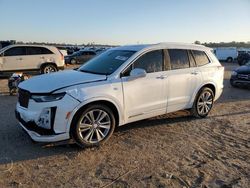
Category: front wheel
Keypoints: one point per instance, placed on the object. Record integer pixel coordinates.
(93, 126)
(203, 103)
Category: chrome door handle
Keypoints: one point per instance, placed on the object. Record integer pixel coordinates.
(19, 58)
(42, 57)
(194, 73)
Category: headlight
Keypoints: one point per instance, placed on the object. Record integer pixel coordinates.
(48, 98)
(234, 73)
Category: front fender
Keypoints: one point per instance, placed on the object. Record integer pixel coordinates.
(95, 99)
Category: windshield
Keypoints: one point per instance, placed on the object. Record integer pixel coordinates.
(106, 63)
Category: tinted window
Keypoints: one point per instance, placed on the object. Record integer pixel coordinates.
(191, 59)
(37, 51)
(107, 62)
(178, 58)
(200, 58)
(15, 51)
(151, 61)
(46, 51)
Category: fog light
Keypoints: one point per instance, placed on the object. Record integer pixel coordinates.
(44, 120)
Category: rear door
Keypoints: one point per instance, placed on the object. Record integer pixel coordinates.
(37, 56)
(183, 79)
(14, 59)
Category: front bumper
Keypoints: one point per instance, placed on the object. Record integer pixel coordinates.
(30, 119)
(236, 81)
(45, 138)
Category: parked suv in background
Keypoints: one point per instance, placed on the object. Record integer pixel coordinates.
(21, 58)
(120, 86)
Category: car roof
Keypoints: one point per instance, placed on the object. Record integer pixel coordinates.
(30, 45)
(168, 45)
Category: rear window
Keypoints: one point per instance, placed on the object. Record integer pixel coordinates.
(178, 58)
(200, 58)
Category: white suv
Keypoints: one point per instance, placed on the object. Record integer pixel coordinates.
(122, 85)
(30, 58)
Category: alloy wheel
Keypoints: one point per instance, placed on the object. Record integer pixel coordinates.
(205, 103)
(94, 126)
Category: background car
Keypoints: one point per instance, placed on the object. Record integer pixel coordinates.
(80, 57)
(241, 75)
(24, 58)
(243, 58)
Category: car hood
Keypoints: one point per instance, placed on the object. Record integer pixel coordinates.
(48, 83)
(243, 69)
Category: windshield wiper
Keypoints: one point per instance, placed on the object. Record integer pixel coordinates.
(92, 72)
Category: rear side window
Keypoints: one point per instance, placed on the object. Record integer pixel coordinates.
(37, 51)
(46, 51)
(151, 61)
(200, 58)
(15, 51)
(178, 58)
(191, 59)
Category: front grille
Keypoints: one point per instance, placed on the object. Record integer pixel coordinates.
(244, 76)
(23, 98)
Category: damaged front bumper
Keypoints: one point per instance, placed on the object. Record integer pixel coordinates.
(46, 121)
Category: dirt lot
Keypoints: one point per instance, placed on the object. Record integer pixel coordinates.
(174, 150)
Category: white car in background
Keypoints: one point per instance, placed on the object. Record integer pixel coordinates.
(120, 86)
(21, 58)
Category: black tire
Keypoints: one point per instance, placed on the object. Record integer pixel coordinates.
(229, 59)
(48, 68)
(232, 83)
(196, 109)
(73, 61)
(83, 138)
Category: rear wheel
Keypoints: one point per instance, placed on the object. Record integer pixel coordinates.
(49, 68)
(73, 61)
(93, 126)
(203, 103)
(229, 59)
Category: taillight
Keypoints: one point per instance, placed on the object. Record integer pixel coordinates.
(62, 57)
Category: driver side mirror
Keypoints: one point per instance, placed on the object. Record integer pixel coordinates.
(137, 73)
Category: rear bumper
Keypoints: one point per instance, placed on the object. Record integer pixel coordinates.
(61, 68)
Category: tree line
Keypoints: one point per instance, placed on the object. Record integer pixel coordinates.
(225, 44)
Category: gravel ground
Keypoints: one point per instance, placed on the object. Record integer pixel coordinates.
(173, 150)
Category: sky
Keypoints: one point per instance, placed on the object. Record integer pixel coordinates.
(119, 22)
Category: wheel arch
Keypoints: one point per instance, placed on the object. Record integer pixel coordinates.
(112, 105)
(209, 85)
(48, 63)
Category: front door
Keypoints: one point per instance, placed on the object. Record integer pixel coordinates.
(14, 59)
(143, 97)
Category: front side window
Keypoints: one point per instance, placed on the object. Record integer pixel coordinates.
(179, 58)
(151, 61)
(200, 57)
(106, 63)
(15, 51)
